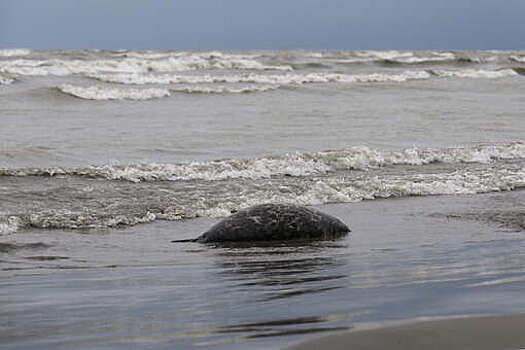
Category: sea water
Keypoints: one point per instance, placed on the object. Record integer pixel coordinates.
(107, 155)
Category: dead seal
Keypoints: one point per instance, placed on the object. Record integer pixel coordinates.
(274, 222)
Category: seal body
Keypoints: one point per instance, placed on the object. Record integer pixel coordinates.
(275, 222)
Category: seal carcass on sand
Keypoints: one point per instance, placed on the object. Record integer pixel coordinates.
(274, 222)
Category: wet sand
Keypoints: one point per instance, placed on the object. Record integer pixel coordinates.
(479, 333)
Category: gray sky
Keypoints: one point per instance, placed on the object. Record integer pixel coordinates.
(265, 24)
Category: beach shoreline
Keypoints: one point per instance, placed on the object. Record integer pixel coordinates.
(485, 332)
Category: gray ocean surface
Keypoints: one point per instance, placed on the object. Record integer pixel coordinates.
(108, 155)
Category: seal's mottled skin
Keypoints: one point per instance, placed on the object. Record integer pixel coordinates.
(274, 222)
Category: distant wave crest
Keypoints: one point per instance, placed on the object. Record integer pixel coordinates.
(136, 64)
(14, 52)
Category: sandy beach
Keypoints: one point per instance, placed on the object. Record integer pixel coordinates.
(479, 333)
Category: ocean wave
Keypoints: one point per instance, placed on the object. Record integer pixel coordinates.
(183, 62)
(342, 190)
(434, 57)
(298, 79)
(223, 89)
(398, 57)
(274, 79)
(294, 164)
(14, 52)
(474, 73)
(6, 80)
(372, 187)
(86, 219)
(147, 204)
(520, 59)
(107, 93)
(9, 224)
(101, 93)
(149, 55)
(519, 70)
(414, 58)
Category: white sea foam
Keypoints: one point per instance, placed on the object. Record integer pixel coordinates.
(304, 164)
(9, 224)
(96, 92)
(433, 57)
(341, 190)
(151, 55)
(294, 164)
(384, 55)
(297, 79)
(311, 191)
(221, 89)
(6, 80)
(108, 93)
(14, 52)
(474, 73)
(405, 57)
(65, 218)
(273, 79)
(68, 67)
(371, 187)
(184, 62)
(520, 59)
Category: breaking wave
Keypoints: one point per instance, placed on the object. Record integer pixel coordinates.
(474, 73)
(6, 80)
(520, 59)
(183, 62)
(519, 70)
(14, 52)
(119, 207)
(107, 93)
(397, 57)
(9, 224)
(294, 164)
(299, 79)
(102, 93)
(220, 89)
(276, 79)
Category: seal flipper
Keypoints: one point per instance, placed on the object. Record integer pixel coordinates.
(185, 240)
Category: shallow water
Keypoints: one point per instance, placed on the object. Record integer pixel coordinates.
(405, 258)
(108, 155)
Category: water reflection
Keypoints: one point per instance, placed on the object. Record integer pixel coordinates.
(275, 328)
(283, 270)
(277, 271)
